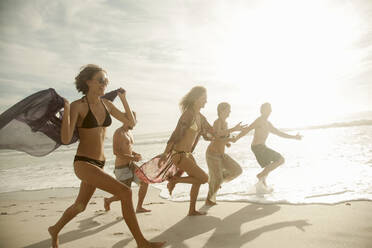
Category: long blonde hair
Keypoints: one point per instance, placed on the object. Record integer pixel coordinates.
(189, 99)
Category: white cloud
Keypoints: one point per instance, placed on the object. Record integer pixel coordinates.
(157, 51)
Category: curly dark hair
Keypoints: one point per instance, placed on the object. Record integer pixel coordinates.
(86, 73)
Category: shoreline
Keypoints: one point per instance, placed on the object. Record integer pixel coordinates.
(67, 192)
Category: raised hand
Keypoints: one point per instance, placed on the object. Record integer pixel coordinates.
(137, 157)
(239, 127)
(121, 92)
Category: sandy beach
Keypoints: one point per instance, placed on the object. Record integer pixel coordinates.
(26, 215)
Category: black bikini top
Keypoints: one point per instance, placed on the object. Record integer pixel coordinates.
(91, 122)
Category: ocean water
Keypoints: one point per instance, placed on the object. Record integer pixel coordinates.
(329, 165)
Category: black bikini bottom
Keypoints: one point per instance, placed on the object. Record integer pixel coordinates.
(92, 161)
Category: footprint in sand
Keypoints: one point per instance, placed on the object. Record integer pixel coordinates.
(40, 215)
(15, 213)
(153, 203)
(11, 205)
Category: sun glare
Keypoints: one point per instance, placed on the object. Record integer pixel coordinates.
(295, 55)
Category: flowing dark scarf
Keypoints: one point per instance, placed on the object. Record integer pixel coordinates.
(33, 125)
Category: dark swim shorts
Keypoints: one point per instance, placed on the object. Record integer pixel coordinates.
(265, 155)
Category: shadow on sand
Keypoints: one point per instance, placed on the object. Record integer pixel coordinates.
(85, 229)
(227, 231)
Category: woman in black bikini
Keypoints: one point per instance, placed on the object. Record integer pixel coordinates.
(91, 115)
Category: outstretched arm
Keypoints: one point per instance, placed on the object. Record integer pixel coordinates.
(276, 131)
(69, 119)
(221, 131)
(246, 130)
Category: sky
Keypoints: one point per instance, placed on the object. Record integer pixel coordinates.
(312, 60)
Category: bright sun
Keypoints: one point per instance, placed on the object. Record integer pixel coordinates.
(295, 54)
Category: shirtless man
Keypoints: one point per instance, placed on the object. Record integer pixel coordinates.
(266, 157)
(222, 168)
(125, 167)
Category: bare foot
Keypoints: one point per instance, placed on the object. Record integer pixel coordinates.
(142, 210)
(171, 186)
(152, 245)
(196, 213)
(261, 177)
(209, 203)
(264, 181)
(54, 236)
(106, 204)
